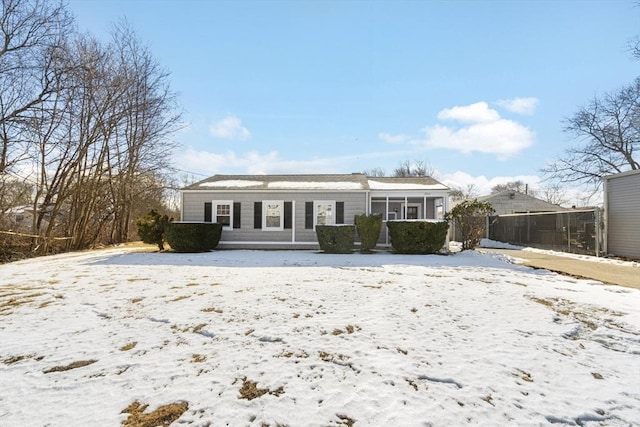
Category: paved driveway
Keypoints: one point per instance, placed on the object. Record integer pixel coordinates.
(621, 275)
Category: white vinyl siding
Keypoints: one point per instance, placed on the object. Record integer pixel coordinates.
(622, 205)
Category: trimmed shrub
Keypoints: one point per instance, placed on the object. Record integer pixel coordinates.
(418, 237)
(470, 216)
(368, 227)
(193, 236)
(151, 228)
(335, 239)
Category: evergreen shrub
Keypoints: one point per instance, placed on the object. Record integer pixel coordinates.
(368, 228)
(418, 237)
(151, 228)
(470, 217)
(335, 239)
(193, 236)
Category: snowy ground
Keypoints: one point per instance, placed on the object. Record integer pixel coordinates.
(247, 338)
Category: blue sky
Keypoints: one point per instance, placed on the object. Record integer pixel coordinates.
(477, 89)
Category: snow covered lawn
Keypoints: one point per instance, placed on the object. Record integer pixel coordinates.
(249, 338)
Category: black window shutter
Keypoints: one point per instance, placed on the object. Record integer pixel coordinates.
(339, 212)
(207, 211)
(236, 215)
(257, 214)
(308, 215)
(287, 214)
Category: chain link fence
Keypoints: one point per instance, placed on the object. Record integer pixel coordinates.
(575, 231)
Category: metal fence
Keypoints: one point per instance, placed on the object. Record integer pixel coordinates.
(575, 231)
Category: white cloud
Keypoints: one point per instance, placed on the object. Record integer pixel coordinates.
(393, 139)
(501, 136)
(519, 105)
(229, 128)
(474, 113)
(478, 129)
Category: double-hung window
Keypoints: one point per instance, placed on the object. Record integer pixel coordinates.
(273, 215)
(324, 212)
(223, 213)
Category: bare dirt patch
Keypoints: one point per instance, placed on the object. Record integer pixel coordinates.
(163, 416)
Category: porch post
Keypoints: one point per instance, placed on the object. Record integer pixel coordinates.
(424, 208)
(406, 209)
(293, 221)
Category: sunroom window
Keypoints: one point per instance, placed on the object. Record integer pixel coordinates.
(273, 214)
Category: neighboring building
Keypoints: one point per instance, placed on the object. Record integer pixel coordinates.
(281, 211)
(622, 210)
(513, 202)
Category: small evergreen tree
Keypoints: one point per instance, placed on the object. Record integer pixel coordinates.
(151, 228)
(469, 216)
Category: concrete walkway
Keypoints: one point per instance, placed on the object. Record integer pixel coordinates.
(612, 274)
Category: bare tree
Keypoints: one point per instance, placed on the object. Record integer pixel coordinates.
(609, 131)
(413, 169)
(519, 186)
(464, 193)
(375, 172)
(554, 194)
(31, 32)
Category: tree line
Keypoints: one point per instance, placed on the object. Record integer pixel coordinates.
(85, 127)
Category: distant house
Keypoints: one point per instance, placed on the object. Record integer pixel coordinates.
(513, 202)
(281, 211)
(622, 210)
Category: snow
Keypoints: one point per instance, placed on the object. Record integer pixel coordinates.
(315, 185)
(377, 185)
(487, 243)
(381, 339)
(232, 183)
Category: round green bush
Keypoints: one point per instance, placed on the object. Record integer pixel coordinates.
(418, 237)
(193, 236)
(335, 239)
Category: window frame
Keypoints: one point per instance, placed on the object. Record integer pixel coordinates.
(214, 212)
(265, 207)
(316, 205)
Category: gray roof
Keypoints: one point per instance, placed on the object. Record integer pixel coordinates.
(331, 182)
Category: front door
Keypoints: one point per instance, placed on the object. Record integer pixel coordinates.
(412, 212)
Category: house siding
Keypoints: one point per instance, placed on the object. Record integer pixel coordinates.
(622, 205)
(514, 202)
(193, 211)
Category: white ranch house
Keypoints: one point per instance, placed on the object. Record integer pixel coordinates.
(281, 211)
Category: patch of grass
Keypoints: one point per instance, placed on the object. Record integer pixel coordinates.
(181, 297)
(136, 300)
(198, 358)
(73, 365)
(129, 346)
(212, 310)
(412, 383)
(250, 390)
(198, 328)
(489, 400)
(345, 420)
(162, 416)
